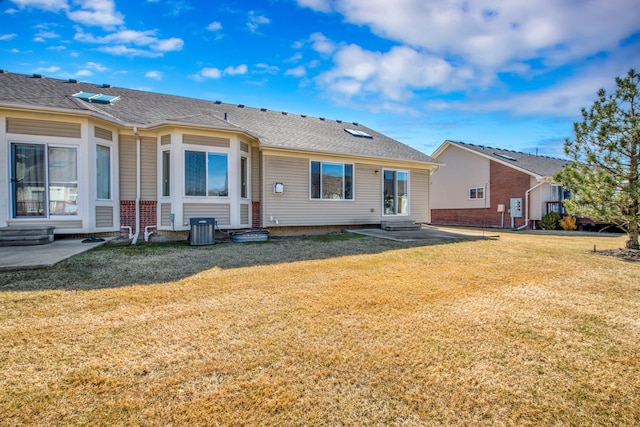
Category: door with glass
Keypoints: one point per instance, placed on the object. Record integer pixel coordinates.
(44, 180)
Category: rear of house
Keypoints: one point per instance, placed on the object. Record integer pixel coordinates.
(486, 186)
(91, 158)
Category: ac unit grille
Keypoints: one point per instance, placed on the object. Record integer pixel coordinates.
(202, 231)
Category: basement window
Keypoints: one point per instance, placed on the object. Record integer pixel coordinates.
(97, 98)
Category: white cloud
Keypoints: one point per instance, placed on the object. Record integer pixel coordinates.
(42, 36)
(214, 26)
(101, 13)
(84, 73)
(5, 37)
(96, 66)
(393, 74)
(50, 5)
(299, 71)
(319, 5)
(168, 45)
(50, 70)
(120, 39)
(266, 69)
(256, 20)
(121, 50)
(232, 71)
(155, 75)
(216, 73)
(491, 35)
(322, 44)
(57, 48)
(210, 73)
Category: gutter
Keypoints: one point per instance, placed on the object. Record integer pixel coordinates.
(138, 161)
(526, 205)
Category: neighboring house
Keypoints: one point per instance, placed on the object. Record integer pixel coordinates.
(92, 158)
(485, 186)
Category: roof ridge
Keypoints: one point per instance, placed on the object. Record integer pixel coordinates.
(511, 151)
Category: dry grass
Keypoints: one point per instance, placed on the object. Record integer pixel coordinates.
(522, 330)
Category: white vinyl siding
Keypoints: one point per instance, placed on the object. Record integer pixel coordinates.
(104, 216)
(221, 212)
(451, 183)
(43, 127)
(294, 208)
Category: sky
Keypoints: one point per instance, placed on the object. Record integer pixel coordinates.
(511, 74)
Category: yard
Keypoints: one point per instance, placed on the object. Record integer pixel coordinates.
(523, 329)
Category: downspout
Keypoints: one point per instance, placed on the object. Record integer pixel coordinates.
(526, 205)
(135, 236)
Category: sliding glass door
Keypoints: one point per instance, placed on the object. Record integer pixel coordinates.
(44, 180)
(396, 192)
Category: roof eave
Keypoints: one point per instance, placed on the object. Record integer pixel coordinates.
(421, 164)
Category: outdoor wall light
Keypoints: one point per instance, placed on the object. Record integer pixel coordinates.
(278, 188)
(377, 172)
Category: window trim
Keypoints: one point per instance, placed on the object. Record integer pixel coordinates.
(165, 155)
(476, 193)
(344, 187)
(48, 215)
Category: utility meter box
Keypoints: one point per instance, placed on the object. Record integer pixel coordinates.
(515, 208)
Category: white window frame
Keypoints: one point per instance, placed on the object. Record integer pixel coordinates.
(110, 178)
(206, 153)
(344, 186)
(408, 207)
(476, 189)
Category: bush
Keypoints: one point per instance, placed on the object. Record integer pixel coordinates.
(568, 223)
(550, 221)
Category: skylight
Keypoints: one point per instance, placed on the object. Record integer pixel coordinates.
(357, 133)
(96, 97)
(504, 156)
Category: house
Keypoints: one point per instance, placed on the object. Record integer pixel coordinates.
(486, 186)
(90, 158)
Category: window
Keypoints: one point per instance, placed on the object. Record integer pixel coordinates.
(395, 192)
(103, 172)
(243, 178)
(206, 174)
(331, 181)
(44, 180)
(166, 173)
(476, 193)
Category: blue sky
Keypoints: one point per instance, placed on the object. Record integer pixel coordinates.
(512, 74)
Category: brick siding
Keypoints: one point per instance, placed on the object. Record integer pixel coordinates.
(504, 183)
(148, 213)
(256, 216)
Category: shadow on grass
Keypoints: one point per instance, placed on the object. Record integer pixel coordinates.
(112, 266)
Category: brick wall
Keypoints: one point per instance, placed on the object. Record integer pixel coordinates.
(255, 215)
(148, 213)
(504, 183)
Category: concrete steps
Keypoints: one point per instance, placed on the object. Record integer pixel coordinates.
(26, 235)
(399, 225)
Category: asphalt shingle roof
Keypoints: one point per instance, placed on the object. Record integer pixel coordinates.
(541, 166)
(148, 109)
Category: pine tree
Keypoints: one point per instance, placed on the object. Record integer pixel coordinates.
(604, 172)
